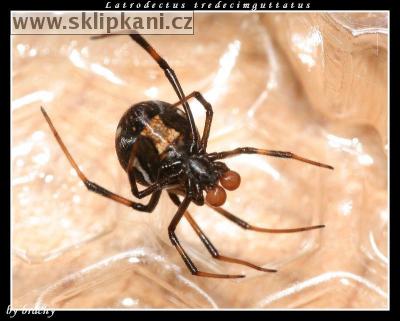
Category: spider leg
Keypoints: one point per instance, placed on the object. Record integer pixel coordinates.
(132, 179)
(207, 243)
(171, 76)
(174, 240)
(99, 189)
(209, 115)
(274, 153)
(247, 226)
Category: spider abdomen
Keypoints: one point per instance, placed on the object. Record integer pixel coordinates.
(147, 134)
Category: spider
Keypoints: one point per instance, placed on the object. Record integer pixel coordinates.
(159, 146)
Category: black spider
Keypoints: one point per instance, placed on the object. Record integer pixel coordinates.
(159, 146)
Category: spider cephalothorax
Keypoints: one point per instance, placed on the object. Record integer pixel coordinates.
(159, 146)
(152, 140)
(211, 177)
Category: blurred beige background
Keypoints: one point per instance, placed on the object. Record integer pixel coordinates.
(313, 83)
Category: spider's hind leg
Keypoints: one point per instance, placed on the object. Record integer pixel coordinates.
(265, 152)
(247, 226)
(207, 243)
(174, 240)
(96, 188)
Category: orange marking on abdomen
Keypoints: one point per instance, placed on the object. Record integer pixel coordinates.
(161, 135)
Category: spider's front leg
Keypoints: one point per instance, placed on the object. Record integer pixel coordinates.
(266, 152)
(172, 78)
(209, 116)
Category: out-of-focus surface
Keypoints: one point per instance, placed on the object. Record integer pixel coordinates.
(314, 84)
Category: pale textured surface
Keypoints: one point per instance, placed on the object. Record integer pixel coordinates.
(313, 84)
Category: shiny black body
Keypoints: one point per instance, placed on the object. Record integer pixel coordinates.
(152, 143)
(159, 147)
(132, 143)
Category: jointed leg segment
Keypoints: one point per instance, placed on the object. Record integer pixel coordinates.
(247, 226)
(97, 188)
(209, 116)
(274, 153)
(207, 243)
(171, 76)
(174, 240)
(153, 188)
